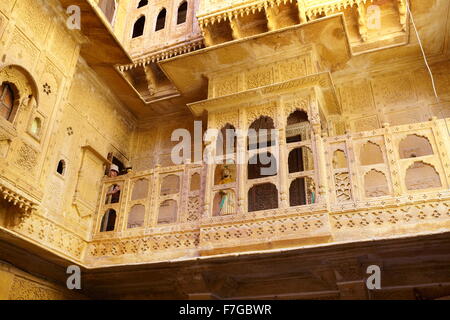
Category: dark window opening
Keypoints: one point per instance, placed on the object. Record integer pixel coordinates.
(6, 101)
(298, 128)
(142, 3)
(263, 197)
(182, 13)
(108, 221)
(161, 20)
(262, 165)
(139, 25)
(61, 167)
(260, 133)
(296, 161)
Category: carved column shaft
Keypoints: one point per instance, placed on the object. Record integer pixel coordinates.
(362, 22)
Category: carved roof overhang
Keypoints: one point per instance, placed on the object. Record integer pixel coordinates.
(189, 72)
(321, 81)
(164, 54)
(210, 14)
(103, 51)
(16, 197)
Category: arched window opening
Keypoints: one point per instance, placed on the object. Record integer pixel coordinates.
(136, 217)
(7, 101)
(226, 141)
(414, 146)
(61, 169)
(170, 185)
(339, 160)
(113, 194)
(298, 127)
(182, 13)
(108, 221)
(262, 197)
(262, 165)
(161, 20)
(260, 133)
(109, 8)
(140, 190)
(371, 154)
(302, 192)
(421, 175)
(168, 212)
(195, 182)
(375, 184)
(301, 159)
(142, 3)
(139, 25)
(224, 203)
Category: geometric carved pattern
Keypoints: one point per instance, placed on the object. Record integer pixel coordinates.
(343, 187)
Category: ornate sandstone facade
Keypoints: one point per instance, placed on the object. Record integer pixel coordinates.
(359, 136)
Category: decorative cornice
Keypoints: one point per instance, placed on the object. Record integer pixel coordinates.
(165, 54)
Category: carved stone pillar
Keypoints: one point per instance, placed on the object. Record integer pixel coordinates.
(235, 28)
(208, 36)
(362, 22)
(302, 11)
(151, 79)
(393, 162)
(241, 173)
(271, 18)
(403, 13)
(209, 178)
(283, 169)
(322, 187)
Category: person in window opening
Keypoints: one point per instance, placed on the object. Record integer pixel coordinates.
(113, 195)
(228, 200)
(113, 171)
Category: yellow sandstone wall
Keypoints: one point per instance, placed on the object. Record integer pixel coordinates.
(81, 122)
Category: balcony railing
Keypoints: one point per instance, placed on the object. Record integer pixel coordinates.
(389, 181)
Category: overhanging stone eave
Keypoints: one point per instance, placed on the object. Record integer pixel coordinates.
(103, 46)
(189, 72)
(321, 81)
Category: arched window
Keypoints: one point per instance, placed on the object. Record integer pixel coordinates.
(262, 197)
(375, 184)
(414, 146)
(170, 185)
(61, 169)
(298, 128)
(302, 191)
(7, 101)
(195, 182)
(142, 3)
(108, 221)
(260, 133)
(226, 140)
(262, 165)
(139, 25)
(140, 190)
(182, 13)
(136, 217)
(161, 20)
(301, 159)
(168, 212)
(371, 154)
(421, 175)
(109, 8)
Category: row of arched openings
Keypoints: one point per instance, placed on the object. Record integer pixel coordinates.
(139, 25)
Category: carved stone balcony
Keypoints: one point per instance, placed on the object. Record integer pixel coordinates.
(393, 181)
(223, 21)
